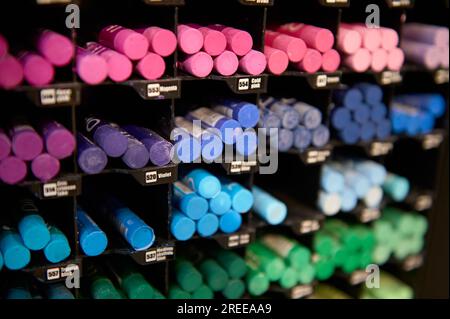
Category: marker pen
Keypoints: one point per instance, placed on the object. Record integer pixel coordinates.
(178, 293)
(257, 281)
(427, 122)
(102, 288)
(203, 292)
(316, 38)
(26, 143)
(445, 60)
(433, 103)
(359, 61)
(45, 167)
(350, 98)
(199, 64)
(277, 60)
(37, 71)
(310, 116)
(214, 275)
(15, 255)
(247, 143)
(312, 61)
(126, 41)
(107, 136)
(234, 289)
(4, 46)
(151, 66)
(371, 37)
(384, 129)
(226, 63)
(361, 115)
(285, 140)
(31, 226)
(91, 158)
(59, 292)
(230, 222)
(331, 60)
(91, 68)
(340, 117)
(161, 41)
(368, 131)
(426, 55)
(59, 141)
(320, 136)
(430, 34)
(11, 72)
(5, 145)
(295, 48)
(203, 183)
(332, 179)
(268, 120)
(230, 261)
(396, 59)
(266, 260)
(58, 248)
(329, 203)
(290, 117)
(389, 38)
(187, 148)
(379, 60)
(181, 226)
(192, 205)
(208, 225)
(378, 112)
(302, 138)
(132, 283)
(93, 240)
(350, 134)
(13, 170)
(372, 93)
(190, 40)
(396, 187)
(268, 207)
(238, 41)
(187, 276)
(136, 156)
(253, 63)
(241, 198)
(306, 275)
(349, 41)
(295, 254)
(289, 278)
(374, 197)
(247, 114)
(220, 204)
(349, 200)
(214, 42)
(55, 48)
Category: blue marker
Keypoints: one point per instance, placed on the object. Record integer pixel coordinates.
(373, 94)
(136, 155)
(32, 227)
(91, 158)
(58, 247)
(230, 222)
(182, 227)
(375, 172)
(247, 114)
(241, 198)
(203, 183)
(269, 208)
(302, 138)
(349, 200)
(93, 240)
(107, 136)
(285, 140)
(340, 117)
(359, 183)
(427, 122)
(187, 149)
(378, 112)
(59, 291)
(247, 143)
(384, 130)
(310, 116)
(350, 134)
(290, 118)
(331, 179)
(361, 114)
(433, 103)
(269, 120)
(229, 129)
(350, 98)
(220, 204)
(15, 255)
(399, 121)
(208, 225)
(192, 205)
(368, 131)
(320, 136)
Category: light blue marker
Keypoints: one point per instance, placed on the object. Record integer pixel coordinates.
(320, 136)
(349, 200)
(208, 225)
(302, 138)
(58, 247)
(375, 172)
(331, 180)
(93, 240)
(182, 227)
(372, 93)
(247, 143)
(15, 255)
(230, 222)
(268, 207)
(396, 187)
(203, 183)
(247, 114)
(59, 291)
(241, 198)
(220, 204)
(192, 205)
(359, 183)
(310, 116)
(32, 227)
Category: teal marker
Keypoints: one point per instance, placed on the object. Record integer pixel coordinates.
(220, 204)
(31, 226)
(58, 247)
(15, 255)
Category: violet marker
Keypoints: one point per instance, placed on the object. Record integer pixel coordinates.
(285, 140)
(45, 167)
(430, 34)
(373, 94)
(136, 155)
(396, 59)
(3, 46)
(302, 138)
(59, 141)
(13, 170)
(226, 64)
(238, 41)
(253, 63)
(350, 98)
(190, 40)
(424, 54)
(295, 48)
(91, 68)
(214, 42)
(151, 66)
(331, 60)
(349, 41)
(378, 113)
(126, 41)
(161, 41)
(320, 136)
(119, 66)
(55, 48)
(37, 71)
(11, 72)
(360, 61)
(5, 145)
(199, 64)
(107, 136)
(311, 63)
(159, 149)
(310, 116)
(91, 158)
(277, 60)
(361, 114)
(290, 118)
(26, 143)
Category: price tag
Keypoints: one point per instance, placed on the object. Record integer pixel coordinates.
(431, 141)
(441, 76)
(380, 148)
(308, 226)
(369, 214)
(159, 254)
(301, 291)
(53, 274)
(154, 176)
(60, 189)
(389, 77)
(244, 85)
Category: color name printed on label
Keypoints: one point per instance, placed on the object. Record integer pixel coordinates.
(55, 96)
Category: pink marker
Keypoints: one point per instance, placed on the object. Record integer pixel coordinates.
(253, 63)
(151, 67)
(5, 145)
(430, 34)
(226, 64)
(190, 40)
(277, 60)
(316, 38)
(200, 65)
(379, 60)
(131, 43)
(311, 63)
(349, 41)
(295, 48)
(360, 61)
(3, 46)
(424, 54)
(36, 70)
(26, 143)
(161, 41)
(371, 38)
(445, 57)
(12, 170)
(91, 68)
(215, 41)
(45, 167)
(238, 41)
(120, 67)
(11, 72)
(396, 59)
(56, 48)
(331, 60)
(389, 39)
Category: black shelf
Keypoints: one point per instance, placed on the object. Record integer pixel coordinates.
(313, 155)
(50, 273)
(318, 80)
(238, 84)
(383, 78)
(161, 251)
(63, 186)
(296, 292)
(53, 95)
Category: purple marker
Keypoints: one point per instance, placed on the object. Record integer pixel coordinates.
(12, 170)
(247, 114)
(36, 70)
(55, 48)
(5, 145)
(126, 41)
(285, 140)
(91, 68)
(59, 141)
(3, 46)
(45, 167)
(430, 34)
(368, 131)
(302, 138)
(91, 158)
(310, 116)
(424, 54)
(320, 136)
(159, 149)
(136, 155)
(26, 142)
(11, 72)
(107, 136)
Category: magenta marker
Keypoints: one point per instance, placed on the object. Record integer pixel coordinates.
(3, 46)
(45, 167)
(5, 145)
(360, 61)
(317, 38)
(238, 41)
(214, 42)
(200, 65)
(59, 141)
(190, 40)
(226, 64)
(444, 57)
(349, 41)
(161, 41)
(295, 48)
(331, 60)
(11, 72)
(424, 54)
(396, 59)
(91, 68)
(311, 63)
(126, 41)
(56, 48)
(253, 63)
(119, 66)
(26, 142)
(37, 71)
(277, 60)
(371, 38)
(389, 39)
(379, 60)
(12, 170)
(151, 67)
(430, 34)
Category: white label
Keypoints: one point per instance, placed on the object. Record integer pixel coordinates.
(321, 81)
(151, 177)
(55, 96)
(243, 84)
(150, 256)
(153, 90)
(58, 189)
(50, 190)
(282, 246)
(207, 116)
(69, 271)
(53, 274)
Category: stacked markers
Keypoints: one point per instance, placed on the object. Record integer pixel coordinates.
(268, 208)
(370, 48)
(43, 149)
(308, 47)
(344, 183)
(92, 239)
(396, 187)
(206, 204)
(21, 289)
(338, 245)
(399, 234)
(324, 291)
(299, 124)
(426, 45)
(415, 114)
(218, 48)
(135, 145)
(390, 288)
(360, 114)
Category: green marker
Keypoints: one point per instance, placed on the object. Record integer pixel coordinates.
(343, 233)
(158, 295)
(103, 288)
(232, 263)
(215, 276)
(136, 287)
(381, 254)
(307, 274)
(175, 292)
(289, 278)
(234, 289)
(203, 292)
(257, 281)
(351, 264)
(188, 277)
(266, 261)
(365, 237)
(403, 222)
(324, 244)
(324, 267)
(296, 255)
